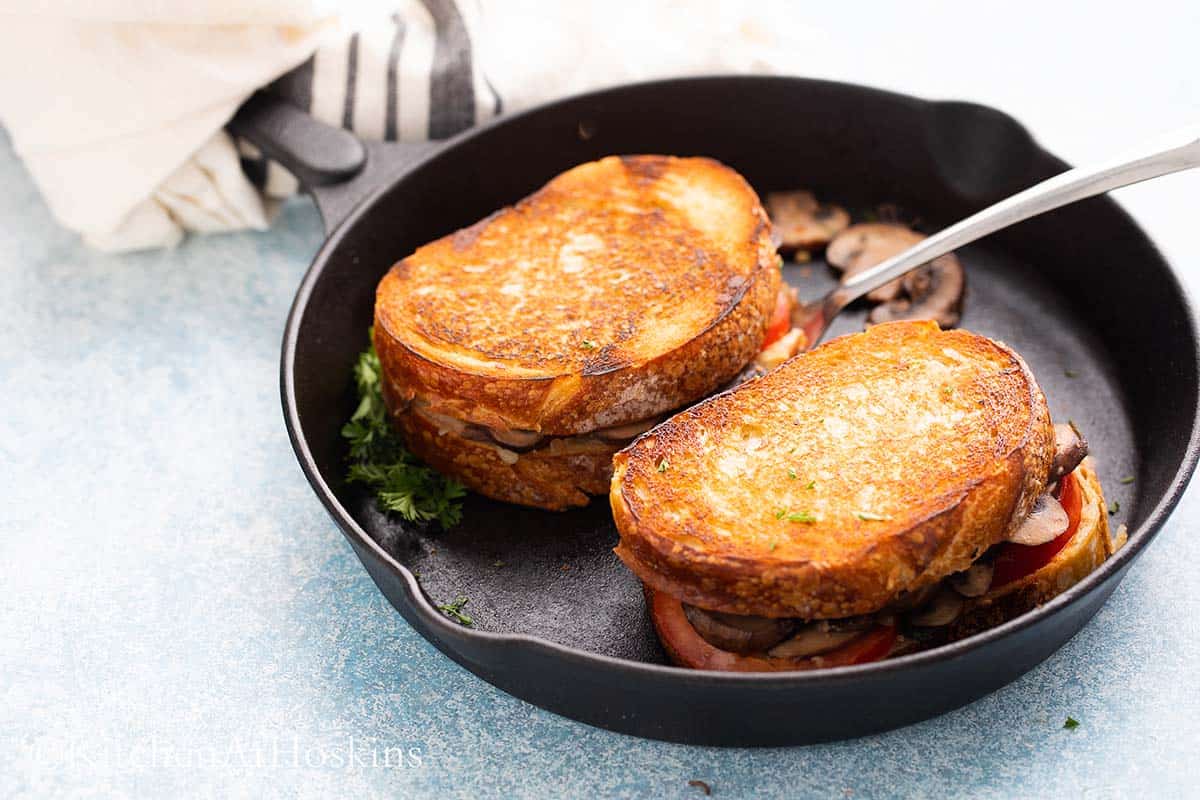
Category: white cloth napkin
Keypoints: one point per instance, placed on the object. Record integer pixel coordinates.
(118, 108)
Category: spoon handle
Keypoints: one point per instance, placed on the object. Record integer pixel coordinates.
(1174, 152)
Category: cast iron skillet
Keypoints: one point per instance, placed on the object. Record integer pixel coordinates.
(1081, 293)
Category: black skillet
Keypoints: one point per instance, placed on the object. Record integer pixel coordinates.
(1080, 292)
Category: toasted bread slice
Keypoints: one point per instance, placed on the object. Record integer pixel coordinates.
(872, 466)
(1091, 544)
(624, 288)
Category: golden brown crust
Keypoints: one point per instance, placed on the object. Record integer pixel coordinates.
(1087, 550)
(556, 476)
(625, 288)
(944, 433)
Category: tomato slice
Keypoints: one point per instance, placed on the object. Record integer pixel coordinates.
(1016, 561)
(781, 318)
(689, 649)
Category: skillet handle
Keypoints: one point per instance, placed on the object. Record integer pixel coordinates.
(316, 153)
(332, 165)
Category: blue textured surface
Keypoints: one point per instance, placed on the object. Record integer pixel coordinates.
(179, 616)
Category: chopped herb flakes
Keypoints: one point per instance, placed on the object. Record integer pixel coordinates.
(454, 611)
(792, 473)
(797, 516)
(1070, 373)
(1071, 723)
(810, 485)
(1113, 507)
(588, 344)
(664, 465)
(1127, 479)
(773, 546)
(870, 516)
(379, 459)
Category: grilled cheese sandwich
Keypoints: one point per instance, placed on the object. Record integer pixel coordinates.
(520, 353)
(857, 502)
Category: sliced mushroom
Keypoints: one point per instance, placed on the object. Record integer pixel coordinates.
(812, 640)
(943, 609)
(907, 601)
(801, 223)
(935, 291)
(445, 424)
(624, 433)
(847, 624)
(575, 445)
(516, 439)
(867, 244)
(1070, 448)
(973, 581)
(736, 633)
(1045, 523)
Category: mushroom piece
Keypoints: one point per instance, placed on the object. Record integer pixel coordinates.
(973, 581)
(625, 433)
(935, 291)
(447, 424)
(867, 244)
(812, 640)
(518, 440)
(860, 623)
(737, 633)
(908, 600)
(801, 223)
(1045, 523)
(943, 609)
(1070, 448)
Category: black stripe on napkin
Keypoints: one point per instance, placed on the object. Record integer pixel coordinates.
(392, 119)
(351, 83)
(451, 88)
(497, 103)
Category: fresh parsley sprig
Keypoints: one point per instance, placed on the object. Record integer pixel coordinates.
(455, 612)
(380, 461)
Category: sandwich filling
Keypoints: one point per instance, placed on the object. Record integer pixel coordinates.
(910, 621)
(515, 442)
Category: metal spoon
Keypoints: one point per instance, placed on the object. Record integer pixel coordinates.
(1174, 152)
